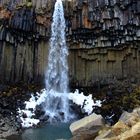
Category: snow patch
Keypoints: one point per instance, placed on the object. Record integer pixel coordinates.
(27, 121)
(85, 102)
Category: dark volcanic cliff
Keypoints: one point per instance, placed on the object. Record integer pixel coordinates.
(106, 23)
(103, 37)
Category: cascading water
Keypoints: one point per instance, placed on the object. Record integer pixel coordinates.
(56, 104)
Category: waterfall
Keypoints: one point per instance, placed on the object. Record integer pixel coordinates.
(56, 104)
(57, 71)
(56, 96)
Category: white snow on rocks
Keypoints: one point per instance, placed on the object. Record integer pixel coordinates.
(85, 102)
(27, 121)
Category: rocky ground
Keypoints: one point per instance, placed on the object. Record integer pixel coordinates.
(12, 97)
(8, 126)
(117, 96)
(93, 127)
(127, 128)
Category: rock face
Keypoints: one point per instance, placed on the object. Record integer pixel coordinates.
(127, 128)
(89, 65)
(105, 23)
(87, 127)
(13, 97)
(7, 127)
(23, 63)
(103, 37)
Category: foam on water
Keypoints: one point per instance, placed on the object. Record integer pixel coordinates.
(85, 102)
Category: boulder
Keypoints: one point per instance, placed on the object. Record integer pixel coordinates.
(119, 128)
(87, 128)
(112, 133)
(127, 128)
(125, 116)
(132, 134)
(104, 134)
(131, 118)
(136, 128)
(7, 127)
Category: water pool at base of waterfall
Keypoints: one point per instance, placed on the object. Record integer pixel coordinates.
(58, 131)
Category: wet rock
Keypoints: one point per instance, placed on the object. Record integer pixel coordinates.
(43, 120)
(78, 111)
(39, 112)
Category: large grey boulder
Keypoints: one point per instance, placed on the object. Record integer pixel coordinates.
(87, 128)
(7, 128)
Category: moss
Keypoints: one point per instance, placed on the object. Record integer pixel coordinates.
(117, 101)
(132, 100)
(29, 4)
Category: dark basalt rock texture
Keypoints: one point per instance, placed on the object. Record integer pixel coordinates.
(101, 25)
(96, 23)
(12, 97)
(20, 25)
(105, 23)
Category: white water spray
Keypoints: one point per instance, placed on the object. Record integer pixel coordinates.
(56, 105)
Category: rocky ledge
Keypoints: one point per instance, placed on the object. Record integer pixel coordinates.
(12, 97)
(127, 128)
(8, 126)
(92, 127)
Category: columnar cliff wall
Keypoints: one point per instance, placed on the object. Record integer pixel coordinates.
(28, 63)
(103, 37)
(23, 63)
(90, 65)
(104, 23)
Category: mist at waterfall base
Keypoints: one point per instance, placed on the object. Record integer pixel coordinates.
(51, 131)
(85, 103)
